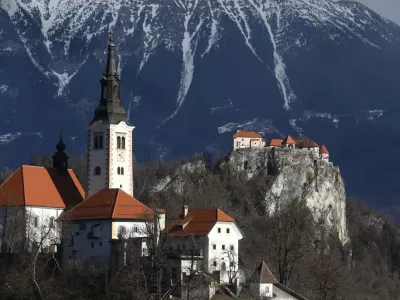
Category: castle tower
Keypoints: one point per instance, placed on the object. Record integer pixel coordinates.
(109, 136)
(60, 158)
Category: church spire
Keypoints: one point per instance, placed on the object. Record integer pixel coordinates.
(110, 109)
(111, 69)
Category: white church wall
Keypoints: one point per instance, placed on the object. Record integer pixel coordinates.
(97, 158)
(31, 224)
(121, 158)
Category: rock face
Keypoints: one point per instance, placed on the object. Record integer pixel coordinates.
(298, 174)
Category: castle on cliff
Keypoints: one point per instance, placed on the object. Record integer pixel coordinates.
(250, 139)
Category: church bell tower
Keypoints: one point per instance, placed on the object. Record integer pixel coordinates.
(109, 136)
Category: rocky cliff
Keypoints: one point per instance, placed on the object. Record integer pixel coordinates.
(298, 174)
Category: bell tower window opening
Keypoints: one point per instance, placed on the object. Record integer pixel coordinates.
(97, 171)
(122, 171)
(118, 142)
(123, 142)
(98, 141)
(118, 170)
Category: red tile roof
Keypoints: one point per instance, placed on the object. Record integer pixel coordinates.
(39, 186)
(198, 222)
(110, 204)
(258, 139)
(247, 134)
(323, 150)
(288, 141)
(305, 143)
(275, 143)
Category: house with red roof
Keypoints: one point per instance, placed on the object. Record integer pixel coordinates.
(247, 139)
(208, 237)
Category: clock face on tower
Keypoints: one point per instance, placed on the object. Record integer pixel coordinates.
(121, 156)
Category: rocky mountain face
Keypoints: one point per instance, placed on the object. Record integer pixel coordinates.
(194, 71)
(298, 174)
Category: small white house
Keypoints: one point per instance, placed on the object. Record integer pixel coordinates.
(263, 285)
(93, 227)
(31, 199)
(212, 237)
(247, 139)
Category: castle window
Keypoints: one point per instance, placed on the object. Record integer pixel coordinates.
(122, 171)
(97, 171)
(123, 142)
(135, 229)
(227, 230)
(223, 247)
(214, 247)
(118, 170)
(232, 248)
(98, 140)
(36, 221)
(215, 263)
(219, 230)
(118, 142)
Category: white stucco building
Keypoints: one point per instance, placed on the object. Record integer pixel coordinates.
(247, 139)
(263, 285)
(93, 228)
(31, 200)
(213, 238)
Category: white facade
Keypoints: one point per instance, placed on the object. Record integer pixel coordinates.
(219, 250)
(91, 239)
(325, 156)
(28, 227)
(110, 157)
(246, 142)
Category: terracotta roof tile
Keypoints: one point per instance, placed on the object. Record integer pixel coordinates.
(305, 143)
(288, 141)
(38, 186)
(198, 222)
(323, 150)
(255, 139)
(275, 143)
(246, 134)
(110, 204)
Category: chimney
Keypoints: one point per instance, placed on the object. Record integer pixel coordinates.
(185, 210)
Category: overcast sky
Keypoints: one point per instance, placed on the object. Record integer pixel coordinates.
(387, 8)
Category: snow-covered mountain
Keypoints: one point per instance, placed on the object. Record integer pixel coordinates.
(194, 71)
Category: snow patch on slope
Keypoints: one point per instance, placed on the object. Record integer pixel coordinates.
(258, 125)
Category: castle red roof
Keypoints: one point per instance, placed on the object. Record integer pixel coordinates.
(198, 222)
(305, 143)
(288, 141)
(39, 186)
(110, 204)
(323, 150)
(247, 134)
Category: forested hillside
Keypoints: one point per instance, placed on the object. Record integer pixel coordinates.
(289, 241)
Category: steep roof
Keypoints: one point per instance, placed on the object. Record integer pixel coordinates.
(306, 143)
(275, 143)
(288, 141)
(110, 204)
(263, 274)
(39, 186)
(247, 134)
(198, 222)
(323, 150)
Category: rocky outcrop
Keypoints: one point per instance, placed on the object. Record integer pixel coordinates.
(298, 174)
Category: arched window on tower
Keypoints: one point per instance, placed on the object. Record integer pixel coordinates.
(122, 171)
(105, 93)
(118, 142)
(123, 142)
(97, 171)
(118, 170)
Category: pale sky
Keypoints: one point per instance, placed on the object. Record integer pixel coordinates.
(389, 9)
